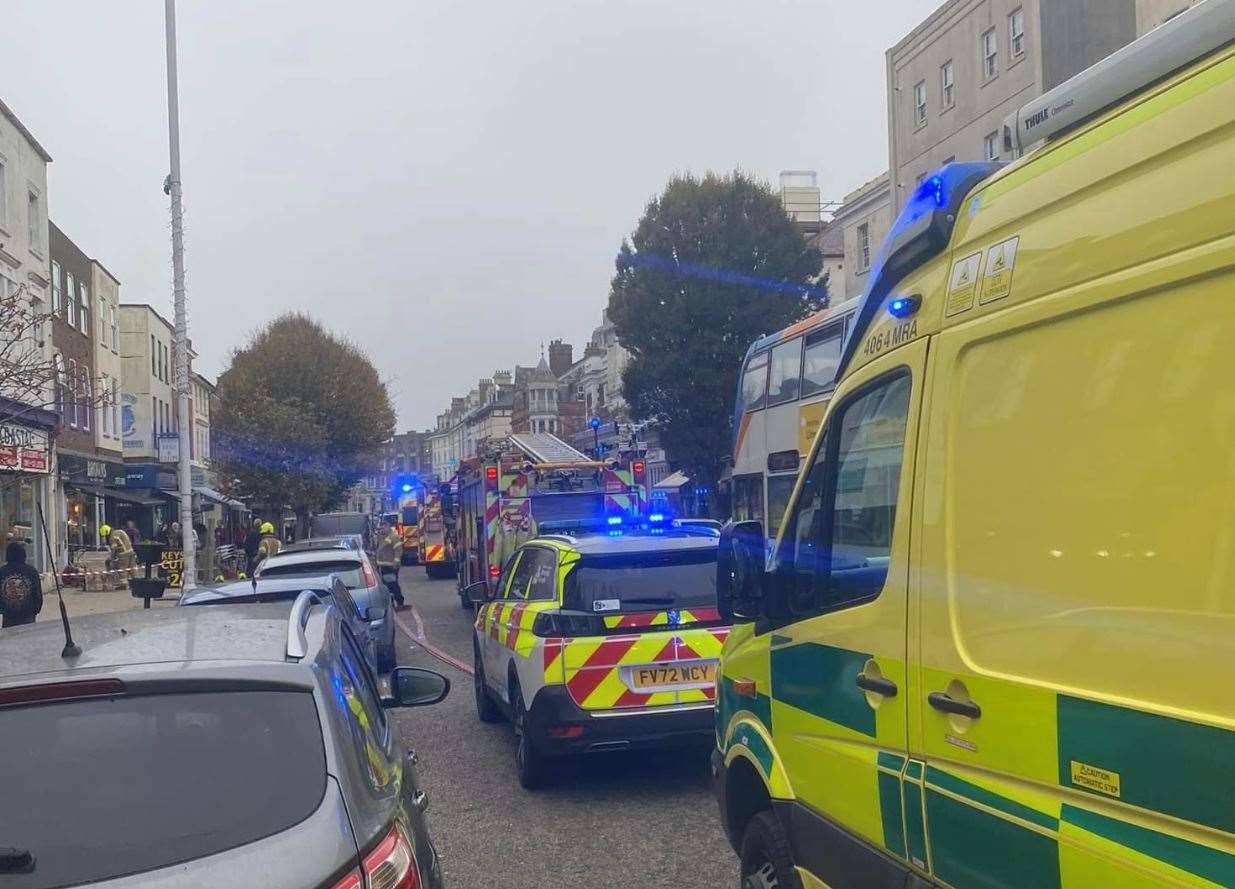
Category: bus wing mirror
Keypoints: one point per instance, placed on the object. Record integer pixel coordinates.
(739, 571)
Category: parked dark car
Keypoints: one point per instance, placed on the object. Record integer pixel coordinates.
(356, 570)
(228, 746)
(287, 589)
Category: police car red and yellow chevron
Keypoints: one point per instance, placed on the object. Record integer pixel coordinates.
(602, 641)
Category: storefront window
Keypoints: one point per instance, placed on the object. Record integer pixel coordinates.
(18, 519)
(79, 520)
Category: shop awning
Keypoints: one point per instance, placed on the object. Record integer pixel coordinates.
(218, 497)
(672, 480)
(132, 495)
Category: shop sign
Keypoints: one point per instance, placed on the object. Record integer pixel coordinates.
(169, 447)
(83, 469)
(24, 448)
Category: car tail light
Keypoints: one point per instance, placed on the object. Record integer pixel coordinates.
(565, 732)
(369, 578)
(61, 691)
(392, 864)
(353, 880)
(556, 623)
(494, 571)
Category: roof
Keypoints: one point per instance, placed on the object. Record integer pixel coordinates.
(223, 591)
(831, 239)
(298, 557)
(21, 128)
(157, 635)
(601, 544)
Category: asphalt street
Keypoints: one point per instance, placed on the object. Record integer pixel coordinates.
(637, 820)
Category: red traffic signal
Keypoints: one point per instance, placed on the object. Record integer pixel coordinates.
(491, 473)
(637, 466)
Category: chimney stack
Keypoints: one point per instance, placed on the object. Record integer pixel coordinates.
(560, 357)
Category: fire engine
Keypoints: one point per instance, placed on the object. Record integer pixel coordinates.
(531, 478)
(436, 545)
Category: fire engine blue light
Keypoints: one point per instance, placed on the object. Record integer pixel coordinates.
(904, 306)
(407, 489)
(617, 533)
(656, 517)
(615, 520)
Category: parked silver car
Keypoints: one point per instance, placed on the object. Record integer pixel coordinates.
(230, 746)
(353, 567)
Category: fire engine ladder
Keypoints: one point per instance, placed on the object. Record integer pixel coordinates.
(543, 448)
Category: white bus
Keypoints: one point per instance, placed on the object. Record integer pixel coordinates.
(786, 381)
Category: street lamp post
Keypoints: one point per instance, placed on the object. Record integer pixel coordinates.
(595, 424)
(185, 472)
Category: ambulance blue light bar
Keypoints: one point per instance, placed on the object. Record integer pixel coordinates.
(614, 520)
(656, 518)
(921, 231)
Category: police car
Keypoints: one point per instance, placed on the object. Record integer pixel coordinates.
(600, 638)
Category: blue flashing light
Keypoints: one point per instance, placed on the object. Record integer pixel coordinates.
(615, 520)
(617, 533)
(594, 422)
(656, 517)
(407, 488)
(904, 306)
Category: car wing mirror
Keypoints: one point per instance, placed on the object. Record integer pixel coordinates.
(740, 566)
(477, 593)
(374, 613)
(415, 687)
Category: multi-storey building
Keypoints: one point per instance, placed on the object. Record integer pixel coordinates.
(954, 78)
(107, 369)
(27, 422)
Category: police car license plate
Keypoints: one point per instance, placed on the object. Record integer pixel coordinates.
(684, 673)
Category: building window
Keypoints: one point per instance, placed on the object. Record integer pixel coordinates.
(70, 393)
(87, 407)
(919, 102)
(84, 293)
(864, 247)
(947, 86)
(990, 54)
(102, 321)
(154, 370)
(32, 220)
(1016, 32)
(990, 146)
(55, 287)
(105, 408)
(4, 193)
(70, 298)
(115, 331)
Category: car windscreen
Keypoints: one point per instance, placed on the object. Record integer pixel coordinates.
(349, 571)
(96, 789)
(651, 581)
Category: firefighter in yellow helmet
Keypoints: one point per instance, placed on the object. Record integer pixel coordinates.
(267, 546)
(121, 547)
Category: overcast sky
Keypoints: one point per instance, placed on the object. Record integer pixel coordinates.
(445, 182)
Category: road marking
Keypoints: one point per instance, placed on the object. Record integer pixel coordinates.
(419, 638)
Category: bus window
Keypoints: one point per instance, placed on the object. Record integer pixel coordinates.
(754, 382)
(779, 489)
(783, 376)
(748, 498)
(822, 359)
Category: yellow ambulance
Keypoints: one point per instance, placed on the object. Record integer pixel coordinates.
(994, 645)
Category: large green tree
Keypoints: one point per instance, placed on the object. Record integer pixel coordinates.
(301, 414)
(713, 264)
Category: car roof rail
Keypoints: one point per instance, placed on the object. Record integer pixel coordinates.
(297, 642)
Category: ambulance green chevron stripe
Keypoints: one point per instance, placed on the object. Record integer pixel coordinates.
(945, 781)
(891, 814)
(819, 680)
(1166, 765)
(1212, 864)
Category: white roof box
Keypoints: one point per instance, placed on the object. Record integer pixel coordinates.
(1167, 48)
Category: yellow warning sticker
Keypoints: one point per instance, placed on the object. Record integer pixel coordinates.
(1094, 778)
(1000, 260)
(810, 418)
(964, 284)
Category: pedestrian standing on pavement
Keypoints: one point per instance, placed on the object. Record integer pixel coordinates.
(251, 541)
(389, 555)
(131, 529)
(267, 547)
(21, 591)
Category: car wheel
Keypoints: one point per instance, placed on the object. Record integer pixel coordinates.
(486, 710)
(529, 761)
(767, 860)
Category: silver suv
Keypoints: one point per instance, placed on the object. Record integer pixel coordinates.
(206, 747)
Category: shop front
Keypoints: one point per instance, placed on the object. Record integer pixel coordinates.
(26, 435)
(83, 480)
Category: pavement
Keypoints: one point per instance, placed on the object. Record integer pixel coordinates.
(641, 819)
(80, 603)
